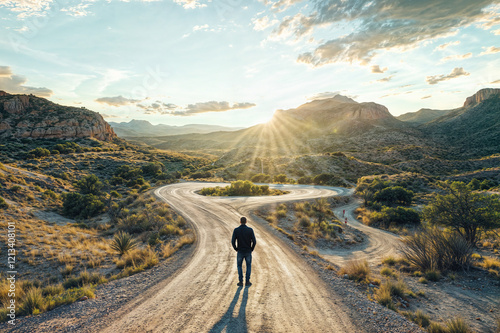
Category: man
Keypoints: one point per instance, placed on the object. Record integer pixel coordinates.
(243, 242)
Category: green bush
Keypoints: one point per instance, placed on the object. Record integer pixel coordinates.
(3, 203)
(397, 216)
(152, 169)
(38, 152)
(305, 180)
(327, 179)
(240, 188)
(77, 205)
(261, 178)
(394, 195)
(90, 185)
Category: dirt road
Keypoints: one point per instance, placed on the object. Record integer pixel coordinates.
(379, 243)
(286, 296)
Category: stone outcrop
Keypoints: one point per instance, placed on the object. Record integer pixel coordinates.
(480, 96)
(24, 116)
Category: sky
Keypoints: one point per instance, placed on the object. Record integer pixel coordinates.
(235, 62)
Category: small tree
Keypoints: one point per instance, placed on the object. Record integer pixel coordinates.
(90, 185)
(464, 211)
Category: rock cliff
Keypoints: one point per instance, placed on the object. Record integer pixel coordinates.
(24, 116)
(480, 96)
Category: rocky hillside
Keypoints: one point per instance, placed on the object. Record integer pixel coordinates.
(28, 116)
(472, 130)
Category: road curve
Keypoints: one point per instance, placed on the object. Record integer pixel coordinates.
(378, 244)
(286, 296)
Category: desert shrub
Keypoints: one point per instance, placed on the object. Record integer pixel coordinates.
(386, 271)
(16, 188)
(3, 203)
(383, 296)
(32, 301)
(82, 206)
(435, 249)
(152, 169)
(85, 278)
(394, 195)
(391, 261)
(305, 180)
(457, 325)
(491, 263)
(38, 152)
(90, 185)
(144, 258)
(67, 148)
(128, 172)
(52, 289)
(398, 216)
(261, 178)
(201, 174)
(433, 275)
(50, 194)
(419, 317)
(123, 242)
(240, 188)
(328, 179)
(357, 270)
(436, 328)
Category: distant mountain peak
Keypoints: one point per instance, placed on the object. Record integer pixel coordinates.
(343, 99)
(480, 96)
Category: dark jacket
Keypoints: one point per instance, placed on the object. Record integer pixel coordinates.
(245, 238)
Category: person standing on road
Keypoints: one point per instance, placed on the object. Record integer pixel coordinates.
(243, 242)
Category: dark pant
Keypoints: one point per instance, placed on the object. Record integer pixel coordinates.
(239, 263)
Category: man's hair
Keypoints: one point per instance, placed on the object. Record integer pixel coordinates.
(243, 219)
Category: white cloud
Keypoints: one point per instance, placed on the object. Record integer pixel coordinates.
(27, 8)
(200, 27)
(377, 69)
(490, 50)
(457, 57)
(116, 101)
(380, 25)
(263, 23)
(445, 45)
(190, 4)
(457, 72)
(14, 84)
(78, 10)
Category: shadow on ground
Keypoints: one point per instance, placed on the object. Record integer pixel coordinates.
(228, 322)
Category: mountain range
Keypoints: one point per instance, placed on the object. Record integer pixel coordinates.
(336, 135)
(136, 128)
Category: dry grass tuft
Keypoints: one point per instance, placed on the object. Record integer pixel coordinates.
(357, 270)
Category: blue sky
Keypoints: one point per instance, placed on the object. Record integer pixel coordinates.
(234, 62)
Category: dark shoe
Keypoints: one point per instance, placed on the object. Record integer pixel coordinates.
(240, 284)
(248, 283)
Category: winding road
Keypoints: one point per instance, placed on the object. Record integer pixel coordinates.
(287, 295)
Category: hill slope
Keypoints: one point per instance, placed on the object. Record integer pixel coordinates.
(422, 116)
(473, 129)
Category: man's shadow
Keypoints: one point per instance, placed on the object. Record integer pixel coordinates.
(234, 324)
